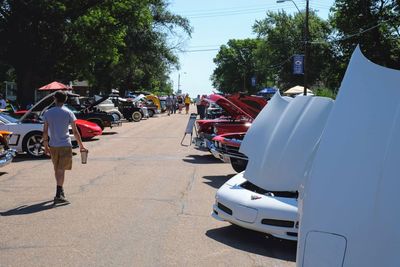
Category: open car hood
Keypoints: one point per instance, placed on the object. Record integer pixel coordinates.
(350, 200)
(98, 100)
(138, 98)
(250, 104)
(282, 141)
(233, 110)
(43, 104)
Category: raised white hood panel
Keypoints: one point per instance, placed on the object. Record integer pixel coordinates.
(353, 187)
(282, 139)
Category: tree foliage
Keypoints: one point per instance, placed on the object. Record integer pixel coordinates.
(373, 24)
(111, 43)
(236, 65)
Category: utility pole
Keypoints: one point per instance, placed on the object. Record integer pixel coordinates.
(306, 48)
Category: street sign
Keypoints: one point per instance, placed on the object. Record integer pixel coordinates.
(253, 81)
(298, 64)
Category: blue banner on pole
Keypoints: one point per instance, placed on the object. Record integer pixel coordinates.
(253, 81)
(298, 64)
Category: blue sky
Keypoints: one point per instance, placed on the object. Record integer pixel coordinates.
(214, 22)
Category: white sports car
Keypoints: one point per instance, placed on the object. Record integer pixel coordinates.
(26, 135)
(279, 145)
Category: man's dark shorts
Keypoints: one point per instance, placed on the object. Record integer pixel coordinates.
(61, 157)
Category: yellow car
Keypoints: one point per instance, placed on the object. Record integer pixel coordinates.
(155, 100)
(6, 154)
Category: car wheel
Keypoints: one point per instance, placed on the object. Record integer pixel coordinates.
(136, 116)
(33, 144)
(238, 165)
(151, 113)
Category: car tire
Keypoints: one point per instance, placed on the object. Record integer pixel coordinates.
(151, 113)
(136, 116)
(238, 165)
(32, 144)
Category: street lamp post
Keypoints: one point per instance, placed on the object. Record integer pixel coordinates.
(179, 82)
(306, 43)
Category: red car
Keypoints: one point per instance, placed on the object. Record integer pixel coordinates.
(241, 111)
(226, 148)
(88, 129)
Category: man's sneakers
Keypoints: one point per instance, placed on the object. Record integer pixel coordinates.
(60, 200)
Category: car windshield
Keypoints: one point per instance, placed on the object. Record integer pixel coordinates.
(7, 117)
(74, 110)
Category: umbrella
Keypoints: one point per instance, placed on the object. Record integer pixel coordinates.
(297, 90)
(54, 86)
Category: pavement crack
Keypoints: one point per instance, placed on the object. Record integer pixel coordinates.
(185, 193)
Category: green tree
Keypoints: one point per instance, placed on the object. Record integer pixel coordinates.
(282, 36)
(236, 65)
(87, 39)
(372, 24)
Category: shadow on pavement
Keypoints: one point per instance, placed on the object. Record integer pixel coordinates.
(254, 242)
(217, 181)
(29, 209)
(26, 157)
(109, 133)
(201, 159)
(90, 139)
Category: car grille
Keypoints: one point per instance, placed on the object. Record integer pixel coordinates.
(279, 223)
(253, 188)
(224, 208)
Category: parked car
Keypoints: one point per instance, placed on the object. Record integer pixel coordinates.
(109, 107)
(279, 145)
(142, 102)
(87, 112)
(6, 153)
(226, 148)
(235, 119)
(88, 129)
(26, 134)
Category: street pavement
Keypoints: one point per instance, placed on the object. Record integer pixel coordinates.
(142, 200)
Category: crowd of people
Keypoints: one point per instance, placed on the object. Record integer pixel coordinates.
(176, 103)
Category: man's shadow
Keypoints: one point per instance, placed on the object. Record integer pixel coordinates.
(29, 209)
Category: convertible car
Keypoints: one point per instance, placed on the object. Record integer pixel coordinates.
(279, 145)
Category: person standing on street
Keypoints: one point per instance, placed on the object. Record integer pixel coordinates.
(187, 103)
(59, 147)
(174, 103)
(198, 101)
(168, 103)
(203, 107)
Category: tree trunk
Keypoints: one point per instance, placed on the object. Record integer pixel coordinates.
(26, 88)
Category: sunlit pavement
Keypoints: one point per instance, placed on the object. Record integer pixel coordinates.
(142, 200)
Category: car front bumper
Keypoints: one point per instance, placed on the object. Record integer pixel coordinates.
(276, 216)
(6, 157)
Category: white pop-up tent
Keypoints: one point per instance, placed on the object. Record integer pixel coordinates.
(296, 90)
(349, 214)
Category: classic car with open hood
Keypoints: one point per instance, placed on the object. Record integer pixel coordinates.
(86, 112)
(279, 145)
(237, 120)
(348, 205)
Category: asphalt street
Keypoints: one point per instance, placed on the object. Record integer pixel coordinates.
(142, 200)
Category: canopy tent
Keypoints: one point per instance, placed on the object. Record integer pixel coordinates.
(54, 86)
(297, 90)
